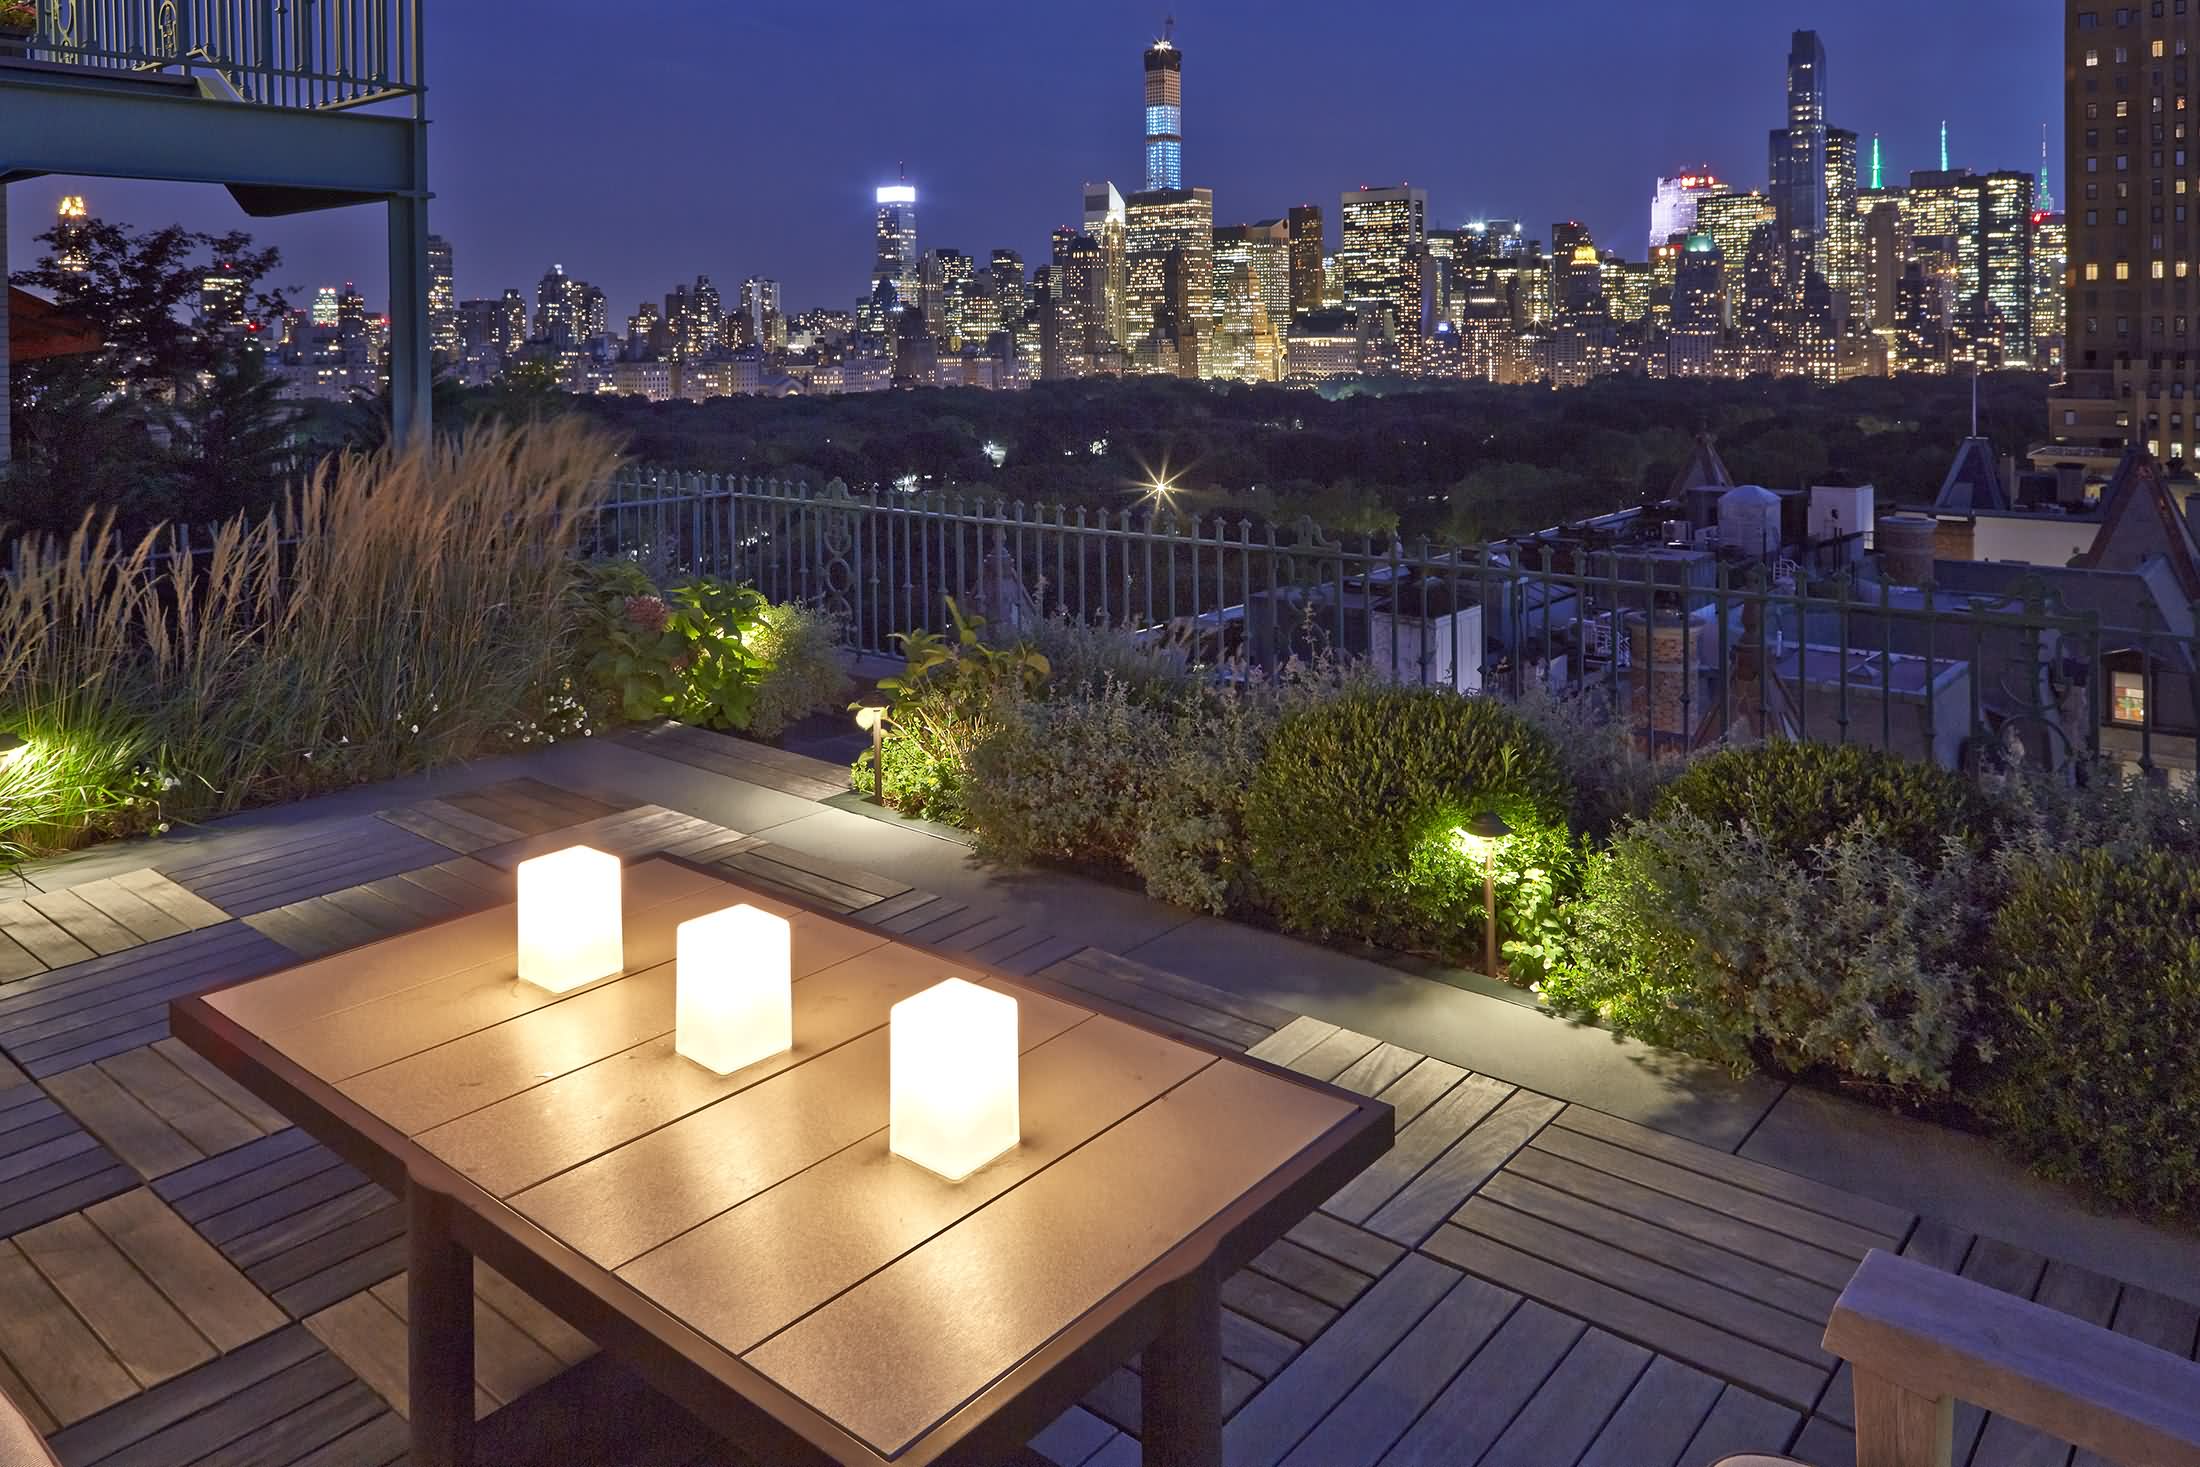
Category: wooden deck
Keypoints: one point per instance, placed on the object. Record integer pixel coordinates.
(184, 1278)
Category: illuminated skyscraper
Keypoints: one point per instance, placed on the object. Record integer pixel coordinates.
(2005, 261)
(2050, 262)
(1305, 225)
(1164, 113)
(1798, 151)
(1107, 221)
(760, 308)
(896, 261)
(1674, 202)
(1732, 221)
(72, 220)
(1264, 250)
(1380, 257)
(1841, 251)
(1170, 295)
(442, 300)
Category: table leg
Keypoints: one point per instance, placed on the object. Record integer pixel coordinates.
(1181, 1379)
(440, 1293)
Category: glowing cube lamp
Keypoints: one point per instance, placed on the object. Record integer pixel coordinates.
(569, 919)
(736, 988)
(953, 1076)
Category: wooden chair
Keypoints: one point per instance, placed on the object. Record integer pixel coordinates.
(20, 1443)
(1920, 1340)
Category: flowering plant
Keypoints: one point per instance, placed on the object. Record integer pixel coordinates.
(681, 653)
(18, 17)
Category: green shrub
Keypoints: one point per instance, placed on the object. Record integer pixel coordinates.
(950, 695)
(1612, 778)
(1797, 795)
(802, 672)
(1353, 814)
(1710, 938)
(683, 653)
(2094, 1009)
(1066, 779)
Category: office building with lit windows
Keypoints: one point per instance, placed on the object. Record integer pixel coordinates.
(1107, 220)
(2132, 372)
(1264, 250)
(443, 336)
(2005, 262)
(1380, 256)
(2050, 266)
(896, 261)
(1673, 204)
(1169, 296)
(1730, 220)
(1305, 224)
(1798, 153)
(1164, 116)
(1841, 252)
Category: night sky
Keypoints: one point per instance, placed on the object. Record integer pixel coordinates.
(640, 142)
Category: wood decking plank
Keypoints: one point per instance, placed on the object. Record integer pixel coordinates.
(1379, 1408)
(1829, 1271)
(62, 1186)
(1357, 1248)
(2081, 1294)
(1276, 1305)
(52, 1350)
(1704, 1346)
(145, 1333)
(220, 1303)
(1562, 1419)
(16, 961)
(366, 1334)
(546, 1329)
(1811, 1227)
(176, 901)
(122, 1122)
(1274, 1421)
(1417, 1089)
(1653, 1279)
(1251, 1345)
(507, 1362)
(1812, 1303)
(265, 1117)
(147, 921)
(1462, 1106)
(84, 922)
(1891, 1223)
(13, 1389)
(284, 1440)
(1206, 995)
(38, 935)
(201, 1117)
(1423, 1203)
(1472, 1412)
(1377, 1070)
(251, 1414)
(1652, 1427)
(1334, 1055)
(1741, 1421)
(1214, 1023)
(1292, 1040)
(144, 1418)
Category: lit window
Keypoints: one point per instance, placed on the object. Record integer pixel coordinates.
(2092, 272)
(2156, 269)
(2092, 58)
(2123, 269)
(2128, 692)
(2157, 49)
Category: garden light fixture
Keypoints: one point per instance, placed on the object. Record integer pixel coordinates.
(1481, 836)
(570, 919)
(953, 1078)
(733, 980)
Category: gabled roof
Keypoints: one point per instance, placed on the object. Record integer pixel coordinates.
(1974, 480)
(2140, 520)
(37, 328)
(1704, 469)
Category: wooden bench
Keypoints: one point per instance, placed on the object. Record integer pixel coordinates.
(1921, 1339)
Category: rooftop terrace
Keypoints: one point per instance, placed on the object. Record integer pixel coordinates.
(1579, 1251)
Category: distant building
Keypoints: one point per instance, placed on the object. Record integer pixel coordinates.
(1170, 242)
(1380, 255)
(1164, 116)
(443, 338)
(1673, 204)
(1798, 154)
(1305, 226)
(1107, 221)
(895, 261)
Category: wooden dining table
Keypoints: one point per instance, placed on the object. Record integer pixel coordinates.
(748, 1242)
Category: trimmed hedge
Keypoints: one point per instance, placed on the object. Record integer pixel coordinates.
(2094, 1008)
(1352, 813)
(1797, 795)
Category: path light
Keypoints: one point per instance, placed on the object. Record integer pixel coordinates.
(733, 975)
(569, 919)
(871, 718)
(953, 1078)
(1481, 837)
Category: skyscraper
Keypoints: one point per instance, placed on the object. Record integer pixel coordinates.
(1107, 221)
(1170, 295)
(442, 300)
(1841, 248)
(1380, 254)
(2005, 261)
(1798, 152)
(1264, 251)
(761, 309)
(1305, 225)
(1674, 201)
(1164, 114)
(896, 262)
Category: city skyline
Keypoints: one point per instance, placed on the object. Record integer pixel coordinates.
(508, 224)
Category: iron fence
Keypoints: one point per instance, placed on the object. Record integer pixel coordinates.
(280, 53)
(1690, 648)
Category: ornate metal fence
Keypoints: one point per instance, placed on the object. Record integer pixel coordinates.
(1690, 649)
(282, 53)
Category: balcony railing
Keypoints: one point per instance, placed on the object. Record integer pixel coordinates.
(274, 53)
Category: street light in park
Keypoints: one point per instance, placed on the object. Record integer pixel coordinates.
(1481, 837)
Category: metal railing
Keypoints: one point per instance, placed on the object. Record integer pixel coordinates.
(1689, 649)
(277, 53)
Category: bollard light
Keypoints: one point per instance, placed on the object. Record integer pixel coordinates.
(733, 977)
(569, 919)
(952, 1055)
(1479, 838)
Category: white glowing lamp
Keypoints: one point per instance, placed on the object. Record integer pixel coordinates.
(735, 981)
(953, 1063)
(569, 919)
